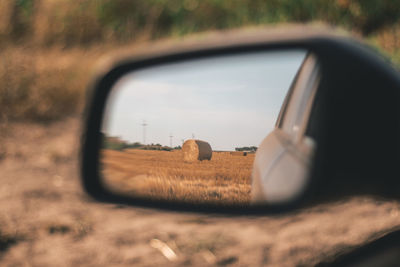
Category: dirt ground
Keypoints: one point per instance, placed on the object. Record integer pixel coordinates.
(47, 220)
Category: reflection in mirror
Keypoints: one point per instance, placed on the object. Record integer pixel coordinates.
(188, 131)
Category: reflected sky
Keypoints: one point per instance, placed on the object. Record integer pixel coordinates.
(230, 101)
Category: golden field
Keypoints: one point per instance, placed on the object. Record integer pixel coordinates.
(225, 179)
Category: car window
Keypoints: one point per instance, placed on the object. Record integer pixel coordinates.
(297, 110)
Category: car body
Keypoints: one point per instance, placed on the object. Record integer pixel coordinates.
(283, 161)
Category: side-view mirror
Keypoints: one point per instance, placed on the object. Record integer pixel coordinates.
(252, 120)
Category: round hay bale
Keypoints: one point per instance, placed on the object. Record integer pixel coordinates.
(194, 150)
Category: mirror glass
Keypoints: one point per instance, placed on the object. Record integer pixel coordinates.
(189, 131)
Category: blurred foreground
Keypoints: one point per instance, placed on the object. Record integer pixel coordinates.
(49, 48)
(46, 219)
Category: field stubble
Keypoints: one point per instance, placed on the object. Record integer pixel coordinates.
(225, 179)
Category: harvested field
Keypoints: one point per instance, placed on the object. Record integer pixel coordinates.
(225, 179)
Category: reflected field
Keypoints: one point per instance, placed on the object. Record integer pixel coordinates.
(163, 175)
(180, 131)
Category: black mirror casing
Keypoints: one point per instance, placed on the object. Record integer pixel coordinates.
(350, 152)
(359, 144)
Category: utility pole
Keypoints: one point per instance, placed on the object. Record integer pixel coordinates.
(144, 124)
(170, 140)
(192, 135)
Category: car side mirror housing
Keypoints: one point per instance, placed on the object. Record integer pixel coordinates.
(243, 122)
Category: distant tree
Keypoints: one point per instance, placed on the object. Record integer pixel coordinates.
(135, 145)
(113, 142)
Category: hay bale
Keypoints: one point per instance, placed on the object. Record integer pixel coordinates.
(194, 150)
(238, 153)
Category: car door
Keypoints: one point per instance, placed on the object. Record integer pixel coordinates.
(282, 163)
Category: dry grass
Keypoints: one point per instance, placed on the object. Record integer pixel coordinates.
(43, 85)
(49, 47)
(225, 179)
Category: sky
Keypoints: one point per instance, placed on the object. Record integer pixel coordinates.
(227, 101)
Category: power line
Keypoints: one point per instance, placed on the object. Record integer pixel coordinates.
(144, 124)
(170, 140)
